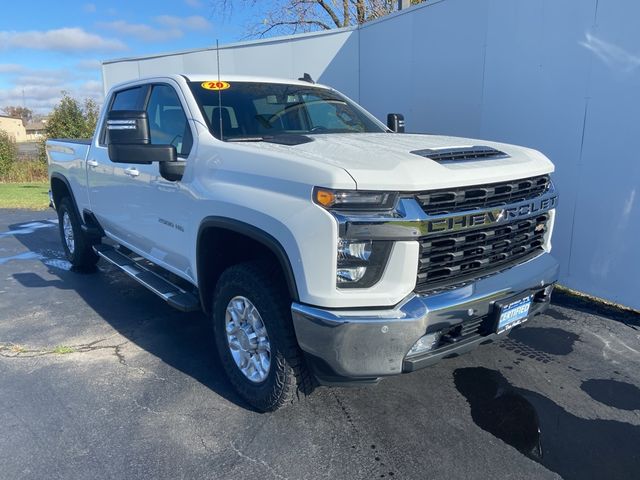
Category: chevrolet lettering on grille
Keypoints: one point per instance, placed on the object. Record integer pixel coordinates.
(490, 217)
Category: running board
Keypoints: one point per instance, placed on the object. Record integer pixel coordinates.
(169, 292)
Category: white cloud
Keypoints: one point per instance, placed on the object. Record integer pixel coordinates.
(40, 80)
(18, 72)
(89, 64)
(42, 88)
(59, 40)
(89, 7)
(194, 22)
(141, 31)
(193, 3)
(42, 99)
(170, 27)
(11, 68)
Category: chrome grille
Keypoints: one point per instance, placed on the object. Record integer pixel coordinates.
(450, 200)
(456, 258)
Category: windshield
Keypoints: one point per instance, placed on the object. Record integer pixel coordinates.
(253, 111)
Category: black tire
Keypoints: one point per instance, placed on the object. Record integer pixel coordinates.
(288, 378)
(78, 249)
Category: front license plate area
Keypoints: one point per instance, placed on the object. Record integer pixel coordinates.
(512, 313)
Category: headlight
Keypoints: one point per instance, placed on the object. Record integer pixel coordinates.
(354, 199)
(360, 263)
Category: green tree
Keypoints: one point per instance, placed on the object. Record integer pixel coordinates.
(70, 118)
(8, 153)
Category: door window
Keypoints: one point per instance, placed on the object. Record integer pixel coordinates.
(130, 99)
(167, 121)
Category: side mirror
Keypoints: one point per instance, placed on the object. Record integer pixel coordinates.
(129, 140)
(395, 122)
(173, 171)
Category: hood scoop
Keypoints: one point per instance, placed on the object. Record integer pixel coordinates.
(444, 155)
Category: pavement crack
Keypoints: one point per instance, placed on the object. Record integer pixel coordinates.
(117, 351)
(205, 446)
(13, 350)
(257, 462)
(147, 409)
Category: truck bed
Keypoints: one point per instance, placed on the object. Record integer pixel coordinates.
(67, 149)
(67, 159)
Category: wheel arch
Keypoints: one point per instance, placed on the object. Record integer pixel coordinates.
(60, 188)
(209, 265)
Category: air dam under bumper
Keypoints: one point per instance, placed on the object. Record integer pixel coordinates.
(367, 344)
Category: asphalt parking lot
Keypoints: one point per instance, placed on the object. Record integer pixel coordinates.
(100, 379)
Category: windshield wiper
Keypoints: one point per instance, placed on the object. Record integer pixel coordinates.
(290, 139)
(245, 139)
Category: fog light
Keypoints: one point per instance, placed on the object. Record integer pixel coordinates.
(424, 344)
(352, 274)
(354, 250)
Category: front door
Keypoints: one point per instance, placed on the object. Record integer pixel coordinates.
(148, 213)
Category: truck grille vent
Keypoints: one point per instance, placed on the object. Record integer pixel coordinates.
(456, 258)
(436, 202)
(458, 154)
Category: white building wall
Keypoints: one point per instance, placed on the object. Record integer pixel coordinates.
(330, 58)
(561, 77)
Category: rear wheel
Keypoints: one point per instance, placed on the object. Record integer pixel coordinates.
(75, 243)
(255, 337)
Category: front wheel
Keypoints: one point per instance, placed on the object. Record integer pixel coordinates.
(75, 243)
(255, 338)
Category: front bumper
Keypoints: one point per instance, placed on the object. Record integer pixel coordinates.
(360, 344)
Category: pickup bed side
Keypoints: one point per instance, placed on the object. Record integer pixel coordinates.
(67, 170)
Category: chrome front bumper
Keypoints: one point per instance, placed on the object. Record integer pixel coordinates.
(367, 344)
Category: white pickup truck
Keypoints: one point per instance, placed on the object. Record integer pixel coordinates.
(325, 246)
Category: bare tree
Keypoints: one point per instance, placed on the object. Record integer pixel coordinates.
(18, 112)
(295, 16)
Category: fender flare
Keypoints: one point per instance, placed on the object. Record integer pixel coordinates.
(259, 236)
(63, 179)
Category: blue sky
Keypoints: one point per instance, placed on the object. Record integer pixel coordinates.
(49, 46)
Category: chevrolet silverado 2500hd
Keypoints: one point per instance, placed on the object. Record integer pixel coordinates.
(324, 246)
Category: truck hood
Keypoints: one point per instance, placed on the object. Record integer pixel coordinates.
(383, 161)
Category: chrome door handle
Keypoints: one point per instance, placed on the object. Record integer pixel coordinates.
(132, 171)
(92, 163)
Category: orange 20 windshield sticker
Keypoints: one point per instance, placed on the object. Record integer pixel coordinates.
(216, 85)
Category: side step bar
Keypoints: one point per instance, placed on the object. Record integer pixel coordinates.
(169, 292)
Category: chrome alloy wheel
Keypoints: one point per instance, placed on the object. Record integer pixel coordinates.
(248, 339)
(67, 228)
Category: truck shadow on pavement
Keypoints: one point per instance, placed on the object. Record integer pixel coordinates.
(574, 447)
(183, 341)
